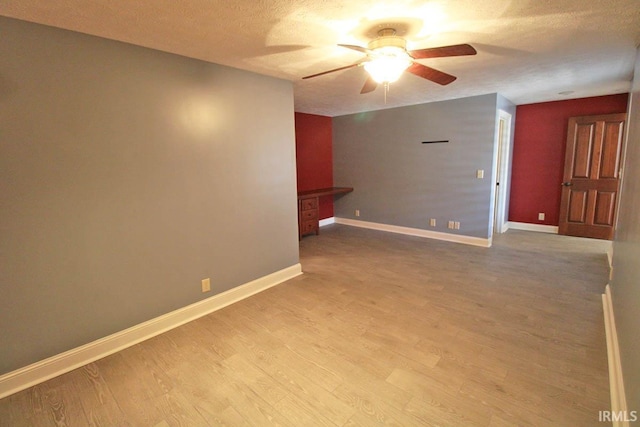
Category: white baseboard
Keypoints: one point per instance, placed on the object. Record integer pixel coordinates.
(616, 383)
(541, 228)
(51, 367)
(327, 221)
(457, 238)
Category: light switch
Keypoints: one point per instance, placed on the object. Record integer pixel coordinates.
(480, 173)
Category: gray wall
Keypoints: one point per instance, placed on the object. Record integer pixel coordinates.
(398, 180)
(127, 175)
(625, 287)
(506, 105)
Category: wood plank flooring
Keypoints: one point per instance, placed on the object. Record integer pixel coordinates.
(382, 329)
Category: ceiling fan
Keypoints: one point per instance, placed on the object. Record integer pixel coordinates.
(388, 57)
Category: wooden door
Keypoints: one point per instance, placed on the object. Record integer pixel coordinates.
(591, 176)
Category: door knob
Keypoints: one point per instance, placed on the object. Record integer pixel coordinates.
(567, 184)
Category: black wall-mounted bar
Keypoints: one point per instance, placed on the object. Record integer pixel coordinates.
(434, 142)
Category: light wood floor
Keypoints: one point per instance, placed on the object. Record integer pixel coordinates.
(382, 329)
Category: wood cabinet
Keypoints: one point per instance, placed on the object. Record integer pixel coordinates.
(308, 214)
(309, 208)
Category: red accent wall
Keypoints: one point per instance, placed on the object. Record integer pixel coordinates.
(314, 156)
(538, 153)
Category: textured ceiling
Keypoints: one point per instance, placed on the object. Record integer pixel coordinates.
(528, 50)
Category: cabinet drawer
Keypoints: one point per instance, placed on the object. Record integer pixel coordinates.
(308, 226)
(307, 204)
(309, 214)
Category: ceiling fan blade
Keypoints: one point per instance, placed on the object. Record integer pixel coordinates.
(369, 86)
(355, 47)
(431, 74)
(333, 71)
(443, 51)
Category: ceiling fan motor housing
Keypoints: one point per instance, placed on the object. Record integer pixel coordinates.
(387, 38)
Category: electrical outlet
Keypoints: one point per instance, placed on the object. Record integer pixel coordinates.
(357, 212)
(451, 225)
(432, 222)
(541, 216)
(456, 225)
(206, 285)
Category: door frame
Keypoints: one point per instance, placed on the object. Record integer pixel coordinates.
(501, 168)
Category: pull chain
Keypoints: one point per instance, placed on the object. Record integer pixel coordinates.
(386, 90)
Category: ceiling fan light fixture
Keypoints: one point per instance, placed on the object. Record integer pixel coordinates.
(388, 64)
(388, 57)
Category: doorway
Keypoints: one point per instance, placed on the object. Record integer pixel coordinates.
(501, 172)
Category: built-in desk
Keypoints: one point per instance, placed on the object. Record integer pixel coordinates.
(309, 205)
